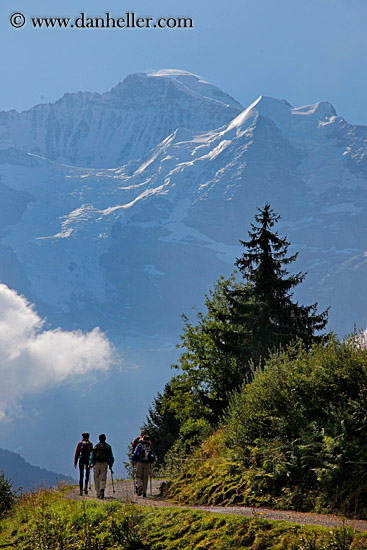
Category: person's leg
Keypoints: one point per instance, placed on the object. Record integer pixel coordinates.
(87, 469)
(146, 469)
(139, 478)
(81, 474)
(96, 478)
(103, 478)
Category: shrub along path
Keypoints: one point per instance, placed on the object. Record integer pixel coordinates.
(124, 491)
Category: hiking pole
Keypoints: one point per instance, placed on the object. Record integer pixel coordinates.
(91, 471)
(113, 485)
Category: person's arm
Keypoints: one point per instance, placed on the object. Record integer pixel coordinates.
(91, 460)
(77, 453)
(134, 458)
(91, 451)
(111, 459)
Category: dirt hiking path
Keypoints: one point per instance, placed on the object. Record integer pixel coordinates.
(124, 491)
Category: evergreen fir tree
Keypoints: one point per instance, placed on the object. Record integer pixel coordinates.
(265, 305)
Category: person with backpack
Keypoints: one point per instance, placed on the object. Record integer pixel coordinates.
(101, 458)
(143, 457)
(82, 455)
(138, 439)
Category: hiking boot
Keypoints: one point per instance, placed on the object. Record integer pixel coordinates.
(81, 492)
(86, 490)
(144, 495)
(102, 494)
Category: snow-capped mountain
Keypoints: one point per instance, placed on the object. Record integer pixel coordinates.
(107, 130)
(131, 247)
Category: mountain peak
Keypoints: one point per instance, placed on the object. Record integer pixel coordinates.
(184, 81)
(322, 109)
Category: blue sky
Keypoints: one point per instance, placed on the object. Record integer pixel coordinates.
(301, 50)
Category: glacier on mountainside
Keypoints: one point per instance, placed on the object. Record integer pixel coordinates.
(136, 244)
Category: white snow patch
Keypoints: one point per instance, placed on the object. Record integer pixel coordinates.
(172, 73)
(219, 148)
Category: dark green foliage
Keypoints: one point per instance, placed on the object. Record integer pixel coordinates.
(7, 496)
(210, 371)
(299, 429)
(262, 313)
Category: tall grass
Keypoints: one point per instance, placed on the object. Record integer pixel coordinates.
(48, 521)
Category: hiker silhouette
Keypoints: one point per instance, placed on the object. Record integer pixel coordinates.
(82, 455)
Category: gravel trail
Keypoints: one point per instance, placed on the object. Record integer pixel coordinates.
(124, 490)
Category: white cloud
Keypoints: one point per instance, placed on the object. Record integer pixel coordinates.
(33, 359)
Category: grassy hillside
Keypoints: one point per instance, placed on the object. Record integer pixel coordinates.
(49, 521)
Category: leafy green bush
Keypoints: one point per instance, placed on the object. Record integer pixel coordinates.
(300, 428)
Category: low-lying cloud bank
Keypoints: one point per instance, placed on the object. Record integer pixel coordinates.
(33, 359)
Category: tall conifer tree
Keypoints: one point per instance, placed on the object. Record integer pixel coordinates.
(265, 305)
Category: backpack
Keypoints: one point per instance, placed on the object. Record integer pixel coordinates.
(85, 452)
(145, 454)
(101, 452)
